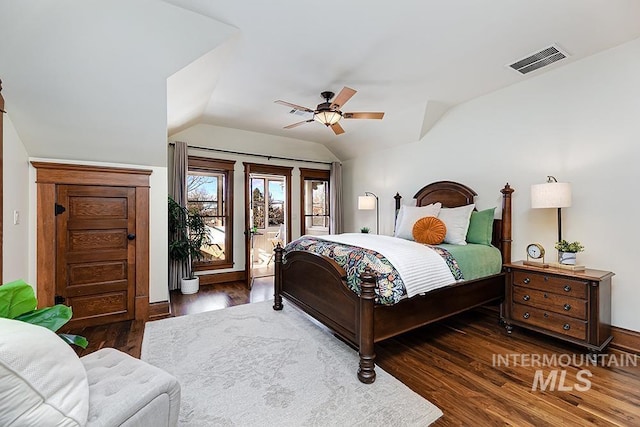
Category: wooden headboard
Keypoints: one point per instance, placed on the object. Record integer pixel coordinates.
(453, 194)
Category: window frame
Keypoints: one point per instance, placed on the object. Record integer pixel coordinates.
(225, 167)
(310, 175)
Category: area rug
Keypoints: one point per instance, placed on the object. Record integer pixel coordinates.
(249, 365)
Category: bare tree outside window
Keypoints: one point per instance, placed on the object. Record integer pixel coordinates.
(205, 195)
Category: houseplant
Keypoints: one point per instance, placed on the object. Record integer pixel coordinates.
(567, 251)
(364, 230)
(18, 302)
(187, 234)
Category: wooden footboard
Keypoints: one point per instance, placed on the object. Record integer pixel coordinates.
(316, 284)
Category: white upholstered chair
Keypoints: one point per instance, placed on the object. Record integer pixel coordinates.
(44, 383)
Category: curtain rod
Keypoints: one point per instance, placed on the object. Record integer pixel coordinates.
(219, 150)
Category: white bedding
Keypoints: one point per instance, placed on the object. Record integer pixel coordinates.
(420, 267)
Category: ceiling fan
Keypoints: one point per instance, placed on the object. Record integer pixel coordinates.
(328, 113)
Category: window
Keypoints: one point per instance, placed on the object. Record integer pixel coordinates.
(315, 201)
(210, 192)
(272, 203)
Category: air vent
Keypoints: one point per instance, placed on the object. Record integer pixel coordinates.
(299, 112)
(539, 59)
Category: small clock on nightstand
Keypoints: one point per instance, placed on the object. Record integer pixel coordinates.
(535, 251)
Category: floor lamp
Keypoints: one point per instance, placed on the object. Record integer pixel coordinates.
(552, 194)
(369, 202)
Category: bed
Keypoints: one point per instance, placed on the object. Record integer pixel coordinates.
(317, 285)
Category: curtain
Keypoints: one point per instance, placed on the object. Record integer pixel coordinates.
(177, 269)
(335, 194)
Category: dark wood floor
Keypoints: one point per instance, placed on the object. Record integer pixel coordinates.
(451, 364)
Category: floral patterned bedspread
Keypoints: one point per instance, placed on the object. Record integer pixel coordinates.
(390, 288)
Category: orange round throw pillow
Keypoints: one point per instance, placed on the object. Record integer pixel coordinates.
(429, 230)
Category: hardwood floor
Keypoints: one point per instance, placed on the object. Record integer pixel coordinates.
(453, 365)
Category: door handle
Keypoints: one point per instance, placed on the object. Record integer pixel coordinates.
(131, 236)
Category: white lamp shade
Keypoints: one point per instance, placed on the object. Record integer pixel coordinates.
(366, 203)
(551, 195)
(327, 117)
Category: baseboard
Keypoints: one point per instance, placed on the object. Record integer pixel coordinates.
(212, 279)
(625, 340)
(159, 310)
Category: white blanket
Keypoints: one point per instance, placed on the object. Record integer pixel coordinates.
(420, 267)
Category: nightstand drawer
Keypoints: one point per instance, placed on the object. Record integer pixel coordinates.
(550, 321)
(557, 303)
(557, 285)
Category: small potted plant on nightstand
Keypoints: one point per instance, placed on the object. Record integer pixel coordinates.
(364, 229)
(567, 251)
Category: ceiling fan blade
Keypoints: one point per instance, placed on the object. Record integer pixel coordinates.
(337, 129)
(363, 115)
(345, 94)
(297, 107)
(298, 124)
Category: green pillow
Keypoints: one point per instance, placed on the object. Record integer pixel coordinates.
(481, 227)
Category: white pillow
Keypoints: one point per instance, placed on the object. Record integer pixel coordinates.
(42, 381)
(457, 222)
(408, 216)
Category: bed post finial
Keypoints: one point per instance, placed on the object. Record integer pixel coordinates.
(366, 372)
(506, 223)
(277, 277)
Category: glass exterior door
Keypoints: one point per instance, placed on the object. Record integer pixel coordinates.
(267, 219)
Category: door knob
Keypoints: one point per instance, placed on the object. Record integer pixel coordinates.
(131, 236)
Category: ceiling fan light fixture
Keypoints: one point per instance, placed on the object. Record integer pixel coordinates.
(327, 117)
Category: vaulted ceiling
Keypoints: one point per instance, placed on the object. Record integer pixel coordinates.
(107, 80)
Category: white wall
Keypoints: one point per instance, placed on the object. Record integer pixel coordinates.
(158, 233)
(15, 254)
(256, 143)
(579, 123)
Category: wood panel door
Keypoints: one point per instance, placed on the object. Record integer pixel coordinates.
(95, 262)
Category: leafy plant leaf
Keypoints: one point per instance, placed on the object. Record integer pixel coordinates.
(50, 317)
(75, 339)
(16, 298)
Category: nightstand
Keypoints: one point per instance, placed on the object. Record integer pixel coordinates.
(574, 306)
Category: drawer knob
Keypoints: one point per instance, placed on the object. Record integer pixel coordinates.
(567, 288)
(526, 315)
(567, 307)
(546, 278)
(566, 326)
(526, 280)
(545, 295)
(546, 315)
(526, 297)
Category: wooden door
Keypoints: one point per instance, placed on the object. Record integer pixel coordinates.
(95, 262)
